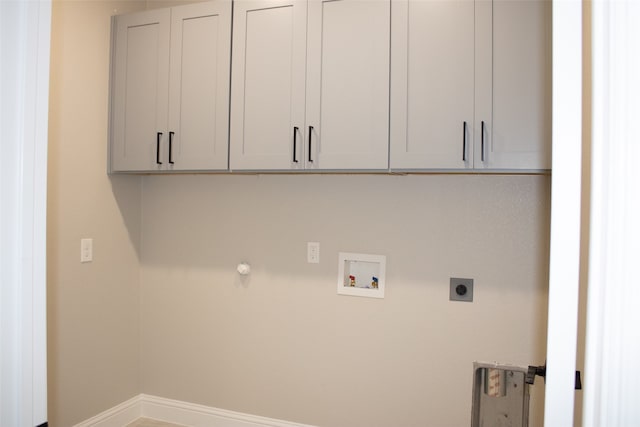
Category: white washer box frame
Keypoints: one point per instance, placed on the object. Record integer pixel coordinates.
(344, 272)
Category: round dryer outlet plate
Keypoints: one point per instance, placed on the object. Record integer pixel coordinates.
(460, 289)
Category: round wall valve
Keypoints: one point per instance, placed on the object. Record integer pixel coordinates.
(460, 289)
(244, 269)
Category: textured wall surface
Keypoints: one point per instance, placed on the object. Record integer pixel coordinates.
(281, 343)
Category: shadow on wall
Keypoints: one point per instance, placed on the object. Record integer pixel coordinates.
(127, 193)
(456, 222)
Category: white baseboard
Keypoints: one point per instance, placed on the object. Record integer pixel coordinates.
(177, 412)
(118, 416)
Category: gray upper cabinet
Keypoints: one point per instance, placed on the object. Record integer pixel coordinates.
(348, 50)
(333, 85)
(310, 85)
(471, 85)
(268, 85)
(432, 85)
(170, 89)
(139, 85)
(513, 58)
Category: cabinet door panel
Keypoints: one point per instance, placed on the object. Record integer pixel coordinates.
(198, 103)
(432, 84)
(267, 84)
(140, 89)
(519, 130)
(348, 84)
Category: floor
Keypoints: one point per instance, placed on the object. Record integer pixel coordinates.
(148, 422)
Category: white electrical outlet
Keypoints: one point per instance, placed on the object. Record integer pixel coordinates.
(86, 250)
(313, 252)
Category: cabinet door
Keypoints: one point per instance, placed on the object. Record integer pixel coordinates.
(348, 84)
(432, 76)
(199, 86)
(267, 84)
(513, 96)
(140, 78)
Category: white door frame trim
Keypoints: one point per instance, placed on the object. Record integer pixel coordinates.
(612, 335)
(564, 264)
(24, 106)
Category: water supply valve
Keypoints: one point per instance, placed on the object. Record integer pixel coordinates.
(541, 371)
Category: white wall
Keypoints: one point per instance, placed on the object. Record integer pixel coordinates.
(93, 330)
(282, 344)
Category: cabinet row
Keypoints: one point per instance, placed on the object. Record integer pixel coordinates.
(330, 85)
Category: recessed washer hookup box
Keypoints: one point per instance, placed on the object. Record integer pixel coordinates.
(361, 275)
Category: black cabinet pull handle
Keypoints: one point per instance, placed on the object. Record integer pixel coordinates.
(310, 132)
(464, 141)
(295, 145)
(482, 140)
(171, 147)
(158, 136)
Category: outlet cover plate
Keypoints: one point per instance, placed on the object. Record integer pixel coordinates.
(313, 252)
(86, 250)
(460, 289)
